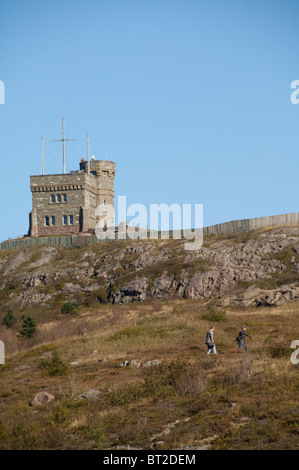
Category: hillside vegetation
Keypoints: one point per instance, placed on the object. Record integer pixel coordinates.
(104, 312)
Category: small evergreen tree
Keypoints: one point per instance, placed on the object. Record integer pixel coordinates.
(28, 327)
(69, 308)
(9, 319)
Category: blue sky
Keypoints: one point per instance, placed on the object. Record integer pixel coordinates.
(190, 98)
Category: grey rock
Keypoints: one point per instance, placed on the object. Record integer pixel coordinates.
(69, 287)
(155, 362)
(17, 261)
(46, 255)
(103, 360)
(124, 364)
(34, 280)
(134, 291)
(27, 299)
(42, 398)
(22, 367)
(90, 394)
(134, 363)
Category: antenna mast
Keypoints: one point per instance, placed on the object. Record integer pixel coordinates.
(43, 157)
(63, 140)
(88, 162)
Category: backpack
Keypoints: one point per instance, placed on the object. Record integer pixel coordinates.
(208, 338)
(238, 338)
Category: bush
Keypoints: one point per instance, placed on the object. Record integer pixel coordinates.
(177, 377)
(240, 373)
(9, 319)
(69, 308)
(54, 366)
(126, 333)
(130, 393)
(28, 327)
(278, 352)
(215, 316)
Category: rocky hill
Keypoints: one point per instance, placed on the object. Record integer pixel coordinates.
(118, 360)
(259, 268)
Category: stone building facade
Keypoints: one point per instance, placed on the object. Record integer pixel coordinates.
(66, 203)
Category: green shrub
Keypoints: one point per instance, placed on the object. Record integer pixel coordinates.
(215, 316)
(131, 332)
(28, 327)
(131, 393)
(69, 308)
(9, 319)
(54, 366)
(277, 352)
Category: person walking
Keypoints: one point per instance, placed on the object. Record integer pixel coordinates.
(241, 338)
(210, 341)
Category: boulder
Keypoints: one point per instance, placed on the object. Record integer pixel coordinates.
(42, 398)
(103, 360)
(134, 363)
(155, 362)
(69, 287)
(90, 394)
(134, 291)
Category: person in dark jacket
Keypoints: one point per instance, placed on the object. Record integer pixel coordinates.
(210, 341)
(241, 338)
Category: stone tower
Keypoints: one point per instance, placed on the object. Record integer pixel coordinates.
(66, 203)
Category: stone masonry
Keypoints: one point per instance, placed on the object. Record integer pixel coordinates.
(66, 203)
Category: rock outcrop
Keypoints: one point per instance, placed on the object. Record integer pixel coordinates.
(259, 268)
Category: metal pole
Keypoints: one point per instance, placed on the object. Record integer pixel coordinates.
(88, 162)
(63, 144)
(63, 140)
(43, 157)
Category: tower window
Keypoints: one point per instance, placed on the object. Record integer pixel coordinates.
(58, 197)
(105, 202)
(47, 221)
(52, 198)
(64, 198)
(64, 220)
(71, 220)
(52, 220)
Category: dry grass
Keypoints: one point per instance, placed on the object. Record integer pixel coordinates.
(135, 404)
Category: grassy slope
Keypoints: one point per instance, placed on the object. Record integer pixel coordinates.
(137, 404)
